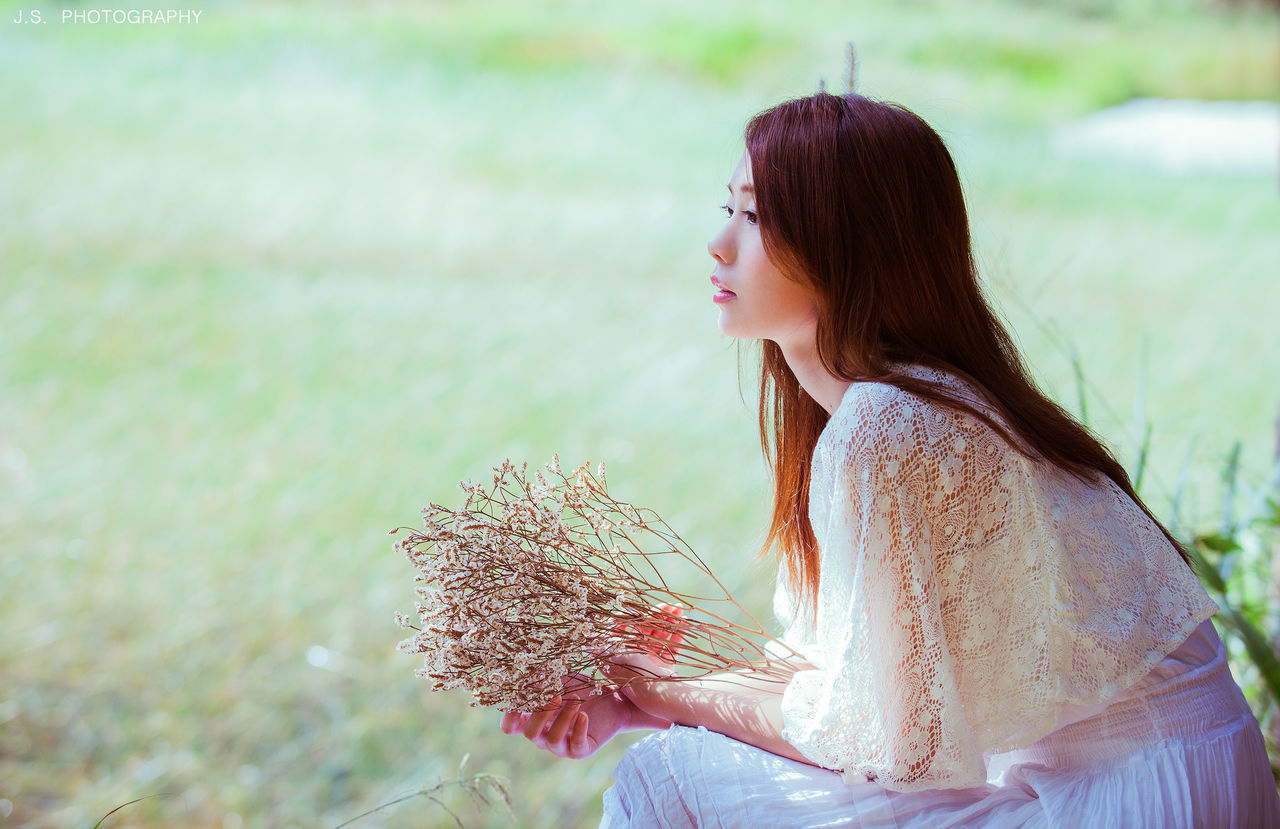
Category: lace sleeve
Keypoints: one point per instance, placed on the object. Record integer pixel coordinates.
(966, 595)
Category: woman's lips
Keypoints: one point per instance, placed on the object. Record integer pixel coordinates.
(722, 293)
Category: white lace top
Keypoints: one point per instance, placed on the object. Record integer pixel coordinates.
(971, 601)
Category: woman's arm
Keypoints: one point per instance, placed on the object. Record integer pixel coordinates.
(746, 706)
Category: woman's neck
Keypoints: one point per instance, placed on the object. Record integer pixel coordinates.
(824, 387)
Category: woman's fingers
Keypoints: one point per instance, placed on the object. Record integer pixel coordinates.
(564, 721)
(512, 721)
(537, 720)
(671, 636)
(666, 639)
(561, 730)
(578, 737)
(564, 731)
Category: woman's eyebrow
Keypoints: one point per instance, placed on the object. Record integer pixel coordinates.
(746, 188)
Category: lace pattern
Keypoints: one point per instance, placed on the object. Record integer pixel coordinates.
(968, 595)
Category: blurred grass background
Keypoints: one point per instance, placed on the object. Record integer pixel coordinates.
(271, 282)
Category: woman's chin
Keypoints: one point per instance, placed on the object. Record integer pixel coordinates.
(727, 325)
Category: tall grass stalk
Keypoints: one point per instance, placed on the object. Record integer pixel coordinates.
(1236, 561)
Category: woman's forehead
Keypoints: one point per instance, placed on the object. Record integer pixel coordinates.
(741, 178)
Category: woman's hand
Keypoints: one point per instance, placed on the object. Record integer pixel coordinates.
(664, 637)
(665, 632)
(580, 724)
(629, 669)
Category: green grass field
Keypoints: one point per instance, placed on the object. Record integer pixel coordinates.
(271, 282)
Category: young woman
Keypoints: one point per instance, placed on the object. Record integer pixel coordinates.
(997, 630)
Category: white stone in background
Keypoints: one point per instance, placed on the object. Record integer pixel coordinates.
(1180, 135)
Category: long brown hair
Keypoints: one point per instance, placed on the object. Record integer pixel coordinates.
(860, 199)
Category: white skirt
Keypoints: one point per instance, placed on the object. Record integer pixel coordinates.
(1179, 749)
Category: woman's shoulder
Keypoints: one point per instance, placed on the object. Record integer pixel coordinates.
(887, 434)
(877, 410)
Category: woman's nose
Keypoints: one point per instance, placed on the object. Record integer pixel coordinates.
(719, 247)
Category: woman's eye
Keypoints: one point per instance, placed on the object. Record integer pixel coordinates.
(750, 214)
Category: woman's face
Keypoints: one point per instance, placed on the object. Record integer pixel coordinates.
(754, 298)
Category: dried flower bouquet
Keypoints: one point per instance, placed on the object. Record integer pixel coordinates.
(533, 581)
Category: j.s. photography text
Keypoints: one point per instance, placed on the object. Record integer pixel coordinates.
(95, 17)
